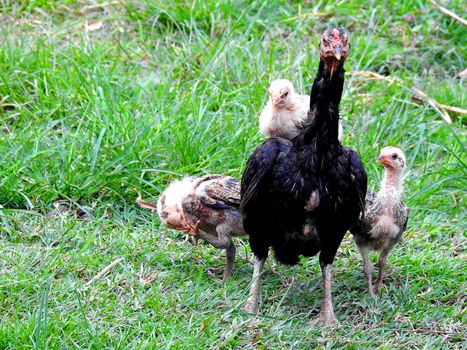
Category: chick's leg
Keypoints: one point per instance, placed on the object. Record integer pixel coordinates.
(222, 241)
(367, 267)
(230, 252)
(383, 258)
(327, 311)
(252, 304)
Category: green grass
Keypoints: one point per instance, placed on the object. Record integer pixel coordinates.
(160, 91)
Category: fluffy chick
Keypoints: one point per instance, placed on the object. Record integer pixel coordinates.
(286, 112)
(385, 218)
(205, 207)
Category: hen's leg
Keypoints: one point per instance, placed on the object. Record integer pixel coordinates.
(367, 267)
(327, 311)
(223, 242)
(383, 258)
(331, 238)
(252, 304)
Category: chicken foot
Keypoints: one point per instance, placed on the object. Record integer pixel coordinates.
(327, 311)
(383, 258)
(367, 267)
(252, 304)
(222, 242)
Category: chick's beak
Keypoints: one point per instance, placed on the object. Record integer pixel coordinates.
(276, 102)
(384, 160)
(337, 52)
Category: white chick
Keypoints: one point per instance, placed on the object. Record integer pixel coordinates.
(286, 112)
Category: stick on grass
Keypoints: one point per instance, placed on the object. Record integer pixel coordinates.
(421, 95)
(448, 12)
(103, 271)
(145, 204)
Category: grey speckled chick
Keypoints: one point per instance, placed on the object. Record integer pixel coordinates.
(205, 207)
(385, 217)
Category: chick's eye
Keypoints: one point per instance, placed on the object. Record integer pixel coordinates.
(286, 93)
(394, 156)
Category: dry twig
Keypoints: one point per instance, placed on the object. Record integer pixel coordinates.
(145, 204)
(419, 94)
(452, 109)
(103, 271)
(448, 12)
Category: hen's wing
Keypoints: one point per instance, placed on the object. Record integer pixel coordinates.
(365, 199)
(359, 179)
(273, 200)
(259, 165)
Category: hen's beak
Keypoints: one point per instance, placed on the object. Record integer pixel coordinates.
(379, 159)
(337, 52)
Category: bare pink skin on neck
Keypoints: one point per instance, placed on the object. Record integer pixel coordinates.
(391, 185)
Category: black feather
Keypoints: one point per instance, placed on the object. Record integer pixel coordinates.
(216, 205)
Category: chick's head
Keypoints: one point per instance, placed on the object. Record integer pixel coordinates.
(392, 158)
(280, 92)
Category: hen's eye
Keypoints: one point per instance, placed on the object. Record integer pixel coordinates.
(286, 93)
(394, 156)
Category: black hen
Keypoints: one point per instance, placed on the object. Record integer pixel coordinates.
(301, 196)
